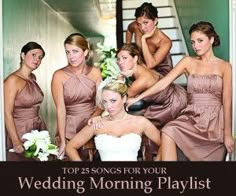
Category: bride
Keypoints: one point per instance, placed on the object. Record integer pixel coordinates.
(120, 135)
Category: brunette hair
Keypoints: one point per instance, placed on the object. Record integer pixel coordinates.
(30, 46)
(133, 51)
(148, 10)
(208, 29)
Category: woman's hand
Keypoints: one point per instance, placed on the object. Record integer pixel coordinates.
(96, 122)
(18, 148)
(61, 153)
(131, 101)
(229, 144)
(150, 34)
(127, 73)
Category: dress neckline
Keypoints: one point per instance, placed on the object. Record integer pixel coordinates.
(206, 75)
(23, 78)
(115, 136)
(87, 71)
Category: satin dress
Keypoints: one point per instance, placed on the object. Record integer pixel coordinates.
(26, 115)
(113, 148)
(199, 130)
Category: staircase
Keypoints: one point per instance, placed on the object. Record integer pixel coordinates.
(168, 22)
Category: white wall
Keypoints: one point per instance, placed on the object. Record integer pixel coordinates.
(2, 131)
(232, 45)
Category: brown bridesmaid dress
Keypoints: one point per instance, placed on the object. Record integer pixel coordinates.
(165, 105)
(199, 130)
(26, 115)
(79, 96)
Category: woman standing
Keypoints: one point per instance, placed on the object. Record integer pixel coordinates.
(203, 131)
(74, 90)
(22, 100)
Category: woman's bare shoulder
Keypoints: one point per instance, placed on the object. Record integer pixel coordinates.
(133, 26)
(12, 78)
(138, 119)
(59, 73)
(163, 36)
(14, 82)
(225, 66)
(96, 70)
(224, 63)
(189, 59)
(95, 74)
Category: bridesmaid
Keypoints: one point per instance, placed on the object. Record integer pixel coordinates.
(159, 108)
(154, 44)
(22, 100)
(203, 131)
(74, 91)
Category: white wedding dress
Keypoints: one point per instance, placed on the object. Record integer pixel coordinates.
(123, 148)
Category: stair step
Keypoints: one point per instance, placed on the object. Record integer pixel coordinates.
(162, 22)
(132, 19)
(172, 33)
(177, 47)
(167, 22)
(167, 11)
(164, 28)
(176, 58)
(177, 54)
(137, 3)
(176, 40)
(158, 7)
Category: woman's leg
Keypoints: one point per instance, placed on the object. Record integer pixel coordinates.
(168, 148)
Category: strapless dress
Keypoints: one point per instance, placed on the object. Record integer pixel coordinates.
(113, 148)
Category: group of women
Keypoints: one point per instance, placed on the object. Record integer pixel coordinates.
(197, 120)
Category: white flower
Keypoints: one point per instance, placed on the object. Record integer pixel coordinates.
(107, 61)
(38, 144)
(43, 156)
(34, 136)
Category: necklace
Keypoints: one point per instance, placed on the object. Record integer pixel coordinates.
(122, 118)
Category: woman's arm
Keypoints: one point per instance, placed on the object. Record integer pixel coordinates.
(179, 69)
(227, 107)
(98, 79)
(129, 36)
(10, 91)
(129, 33)
(77, 141)
(153, 60)
(58, 97)
(95, 119)
(139, 85)
(151, 131)
(154, 135)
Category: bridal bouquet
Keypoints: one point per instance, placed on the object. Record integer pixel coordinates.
(107, 61)
(37, 144)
